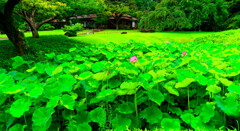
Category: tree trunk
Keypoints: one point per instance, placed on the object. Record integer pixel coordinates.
(117, 27)
(14, 35)
(35, 33)
(34, 26)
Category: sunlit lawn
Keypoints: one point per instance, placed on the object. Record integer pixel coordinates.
(115, 36)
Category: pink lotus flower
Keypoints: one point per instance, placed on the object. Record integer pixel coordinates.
(167, 42)
(108, 72)
(159, 56)
(184, 53)
(135, 48)
(133, 59)
(226, 43)
(129, 43)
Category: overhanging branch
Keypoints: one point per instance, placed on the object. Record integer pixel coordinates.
(45, 21)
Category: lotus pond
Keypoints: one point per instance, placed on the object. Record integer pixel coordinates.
(168, 86)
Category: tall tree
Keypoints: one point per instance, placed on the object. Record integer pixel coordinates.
(7, 22)
(115, 9)
(38, 12)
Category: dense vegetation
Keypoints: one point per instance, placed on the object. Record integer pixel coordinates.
(165, 86)
(210, 15)
(144, 81)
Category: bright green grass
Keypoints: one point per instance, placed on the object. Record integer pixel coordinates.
(115, 36)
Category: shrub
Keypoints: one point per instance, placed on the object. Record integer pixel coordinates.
(46, 27)
(72, 30)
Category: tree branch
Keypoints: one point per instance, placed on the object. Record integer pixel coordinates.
(45, 21)
(33, 12)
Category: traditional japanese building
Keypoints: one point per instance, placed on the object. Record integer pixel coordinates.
(125, 22)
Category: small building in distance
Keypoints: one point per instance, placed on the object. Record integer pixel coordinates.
(89, 21)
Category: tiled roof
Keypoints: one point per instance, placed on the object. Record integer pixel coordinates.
(92, 16)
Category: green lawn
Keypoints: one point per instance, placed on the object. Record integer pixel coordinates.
(115, 36)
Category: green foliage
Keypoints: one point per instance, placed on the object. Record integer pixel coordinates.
(72, 30)
(186, 15)
(86, 88)
(46, 27)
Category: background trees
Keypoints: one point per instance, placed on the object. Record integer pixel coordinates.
(210, 15)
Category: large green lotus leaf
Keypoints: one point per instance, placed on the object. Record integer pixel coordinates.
(126, 108)
(44, 127)
(66, 82)
(212, 82)
(110, 55)
(113, 83)
(213, 89)
(197, 67)
(129, 85)
(170, 124)
(68, 101)
(145, 76)
(155, 96)
(101, 76)
(84, 127)
(225, 81)
(104, 93)
(126, 92)
(229, 106)
(198, 125)
(202, 80)
(6, 81)
(79, 58)
(98, 66)
(186, 82)
(99, 115)
(187, 118)
(120, 123)
(171, 48)
(31, 70)
(234, 88)
(152, 114)
(82, 117)
(89, 86)
(158, 80)
(17, 127)
(35, 92)
(3, 98)
(183, 74)
(207, 112)
(18, 61)
(13, 89)
(127, 68)
(85, 75)
(50, 56)
(41, 116)
(53, 101)
(153, 74)
(57, 70)
(176, 110)
(171, 89)
(18, 107)
(93, 59)
(65, 57)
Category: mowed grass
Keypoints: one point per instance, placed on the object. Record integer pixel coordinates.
(115, 36)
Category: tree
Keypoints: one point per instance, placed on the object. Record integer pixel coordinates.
(38, 12)
(7, 23)
(116, 10)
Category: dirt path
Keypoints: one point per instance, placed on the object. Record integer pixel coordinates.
(3, 38)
